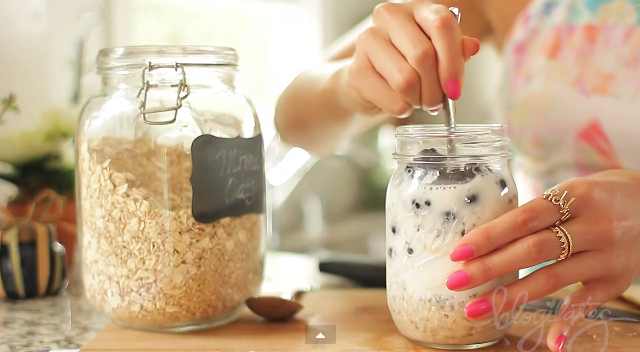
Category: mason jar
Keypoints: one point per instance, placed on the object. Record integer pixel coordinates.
(171, 189)
(446, 183)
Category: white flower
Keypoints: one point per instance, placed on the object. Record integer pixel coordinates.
(63, 119)
(17, 147)
(67, 154)
(50, 134)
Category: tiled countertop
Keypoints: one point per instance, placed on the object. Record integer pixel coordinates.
(68, 321)
(64, 322)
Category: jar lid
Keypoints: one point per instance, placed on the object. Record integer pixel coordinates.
(137, 57)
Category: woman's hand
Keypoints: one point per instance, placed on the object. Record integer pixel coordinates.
(413, 53)
(604, 225)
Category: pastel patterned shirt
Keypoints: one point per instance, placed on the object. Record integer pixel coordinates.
(572, 90)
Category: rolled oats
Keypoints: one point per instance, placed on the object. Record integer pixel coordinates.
(147, 263)
(440, 319)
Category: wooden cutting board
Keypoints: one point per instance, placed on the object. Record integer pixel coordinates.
(363, 323)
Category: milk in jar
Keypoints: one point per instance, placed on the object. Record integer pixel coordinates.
(435, 197)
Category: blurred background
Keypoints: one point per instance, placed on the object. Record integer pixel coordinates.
(48, 48)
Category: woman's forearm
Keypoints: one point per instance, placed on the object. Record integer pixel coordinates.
(317, 112)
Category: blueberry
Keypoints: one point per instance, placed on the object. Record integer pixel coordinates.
(393, 230)
(503, 184)
(409, 171)
(449, 175)
(449, 215)
(429, 152)
(429, 155)
(471, 198)
(453, 176)
(476, 169)
(390, 252)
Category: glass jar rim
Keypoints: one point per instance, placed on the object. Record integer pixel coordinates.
(419, 131)
(128, 58)
(480, 142)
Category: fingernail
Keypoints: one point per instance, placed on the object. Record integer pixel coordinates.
(453, 89)
(406, 114)
(560, 342)
(427, 108)
(458, 279)
(477, 309)
(433, 112)
(461, 253)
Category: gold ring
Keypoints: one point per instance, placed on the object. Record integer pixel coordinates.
(552, 196)
(566, 243)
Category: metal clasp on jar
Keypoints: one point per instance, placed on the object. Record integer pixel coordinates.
(183, 92)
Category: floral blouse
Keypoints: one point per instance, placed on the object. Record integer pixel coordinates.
(571, 95)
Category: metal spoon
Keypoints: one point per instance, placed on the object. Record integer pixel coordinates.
(279, 308)
(449, 105)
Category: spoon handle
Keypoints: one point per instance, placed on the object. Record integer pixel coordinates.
(294, 293)
(290, 295)
(449, 105)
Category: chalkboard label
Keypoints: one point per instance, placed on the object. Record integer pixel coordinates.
(228, 177)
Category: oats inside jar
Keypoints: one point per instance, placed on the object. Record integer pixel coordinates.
(147, 263)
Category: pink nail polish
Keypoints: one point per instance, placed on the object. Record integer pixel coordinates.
(461, 253)
(458, 279)
(560, 342)
(477, 309)
(453, 89)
